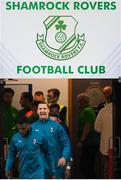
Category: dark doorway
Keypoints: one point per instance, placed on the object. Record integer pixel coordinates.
(93, 87)
(117, 127)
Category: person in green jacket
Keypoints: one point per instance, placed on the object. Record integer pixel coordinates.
(10, 114)
(88, 142)
(30, 146)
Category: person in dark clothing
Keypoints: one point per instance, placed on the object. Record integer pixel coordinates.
(32, 115)
(55, 112)
(52, 98)
(54, 115)
(88, 142)
(10, 114)
(104, 126)
(30, 147)
(39, 96)
(107, 90)
(25, 101)
(57, 139)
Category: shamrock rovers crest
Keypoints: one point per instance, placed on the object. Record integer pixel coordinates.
(60, 42)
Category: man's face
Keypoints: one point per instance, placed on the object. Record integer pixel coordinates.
(81, 103)
(8, 97)
(51, 98)
(43, 111)
(23, 101)
(39, 98)
(24, 128)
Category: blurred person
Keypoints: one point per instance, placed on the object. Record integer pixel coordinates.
(54, 115)
(54, 108)
(10, 113)
(107, 90)
(52, 98)
(57, 139)
(32, 115)
(68, 167)
(103, 125)
(30, 147)
(26, 99)
(39, 96)
(88, 143)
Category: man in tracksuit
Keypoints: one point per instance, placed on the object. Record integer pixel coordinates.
(57, 139)
(30, 147)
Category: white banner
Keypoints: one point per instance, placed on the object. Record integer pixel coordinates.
(60, 39)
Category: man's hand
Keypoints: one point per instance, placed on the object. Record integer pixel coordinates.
(67, 173)
(8, 174)
(62, 162)
(53, 177)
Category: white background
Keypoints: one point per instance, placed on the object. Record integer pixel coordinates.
(18, 41)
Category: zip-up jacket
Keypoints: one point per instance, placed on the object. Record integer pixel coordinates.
(30, 150)
(58, 141)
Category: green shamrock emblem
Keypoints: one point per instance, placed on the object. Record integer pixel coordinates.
(60, 36)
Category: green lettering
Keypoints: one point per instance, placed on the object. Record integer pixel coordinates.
(70, 70)
(80, 69)
(41, 5)
(26, 69)
(100, 6)
(43, 69)
(102, 69)
(76, 5)
(16, 4)
(93, 5)
(50, 70)
(86, 70)
(8, 5)
(50, 5)
(58, 70)
(36, 69)
(64, 70)
(24, 6)
(65, 5)
(19, 68)
(58, 5)
(33, 5)
(113, 5)
(106, 5)
(84, 5)
(94, 69)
